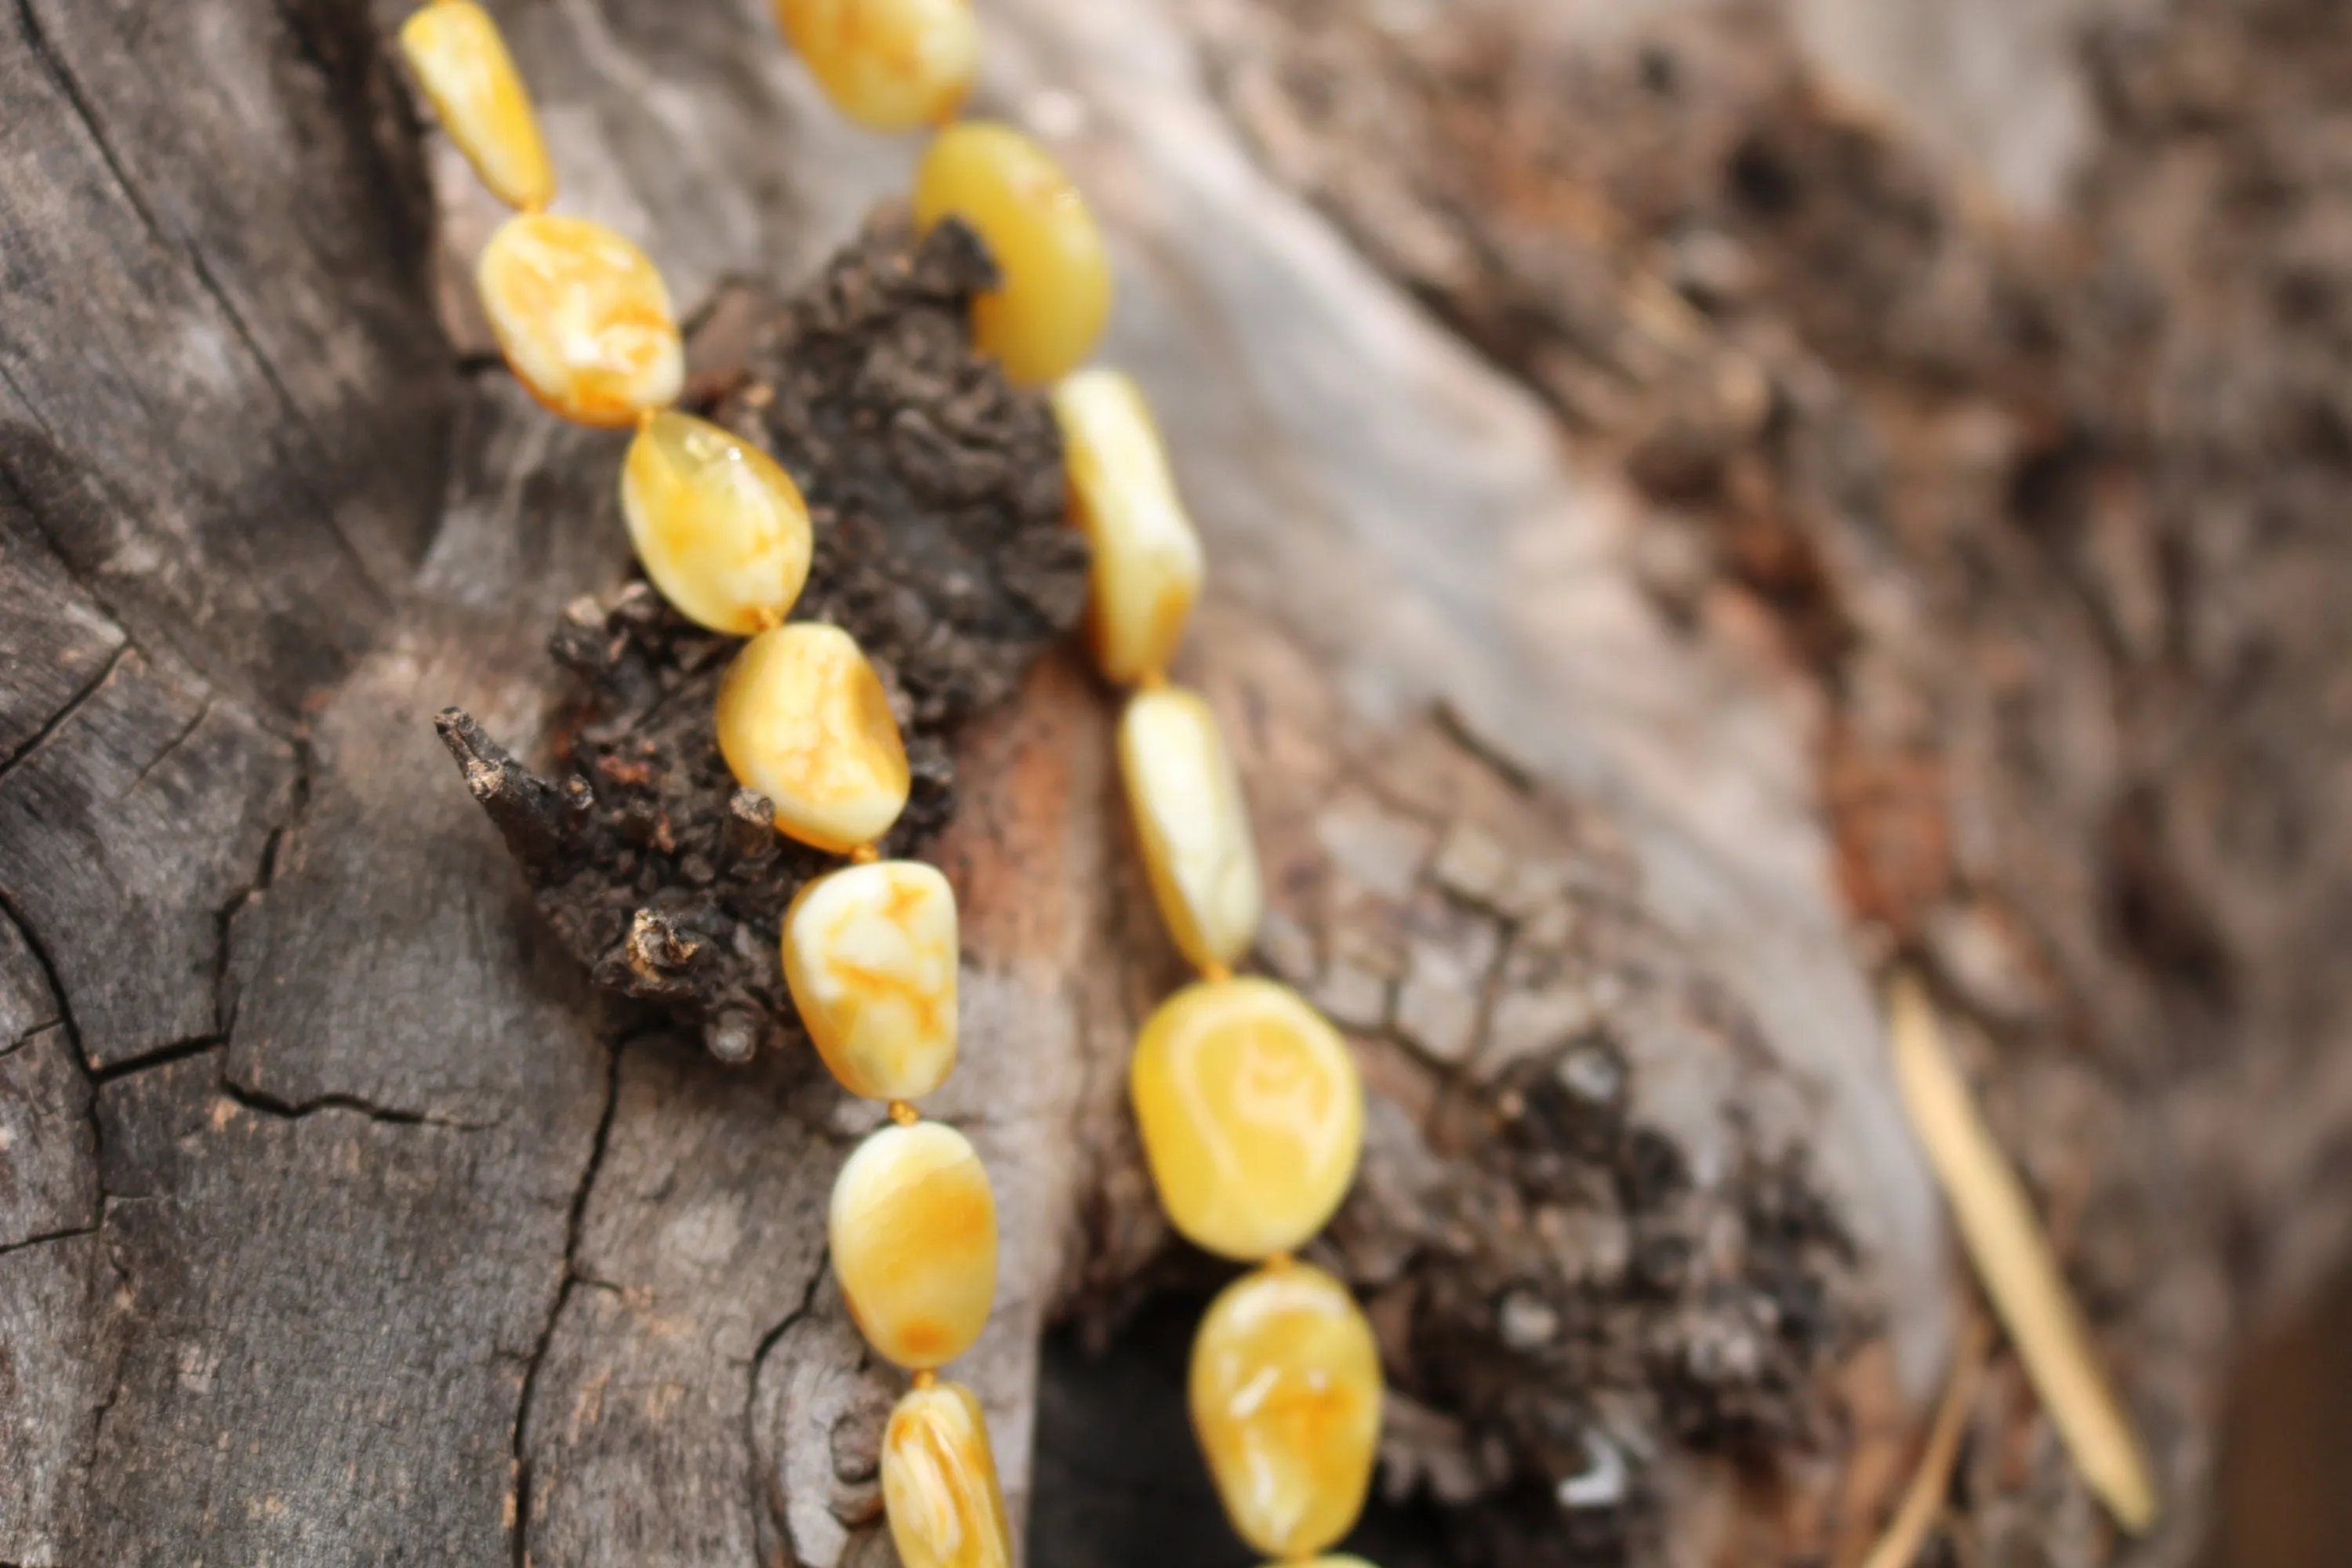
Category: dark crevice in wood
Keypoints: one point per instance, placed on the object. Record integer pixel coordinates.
(33, 742)
(571, 1277)
(49, 1236)
(36, 39)
(268, 1105)
(752, 1446)
(265, 872)
(162, 1057)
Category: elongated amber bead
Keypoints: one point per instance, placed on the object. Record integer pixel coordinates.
(1252, 1113)
(1147, 558)
(1286, 1396)
(913, 1228)
(938, 1483)
(1055, 296)
(583, 317)
(889, 65)
(870, 955)
(1192, 824)
(721, 530)
(804, 719)
(462, 64)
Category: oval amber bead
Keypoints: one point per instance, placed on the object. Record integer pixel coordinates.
(804, 719)
(870, 955)
(1147, 559)
(889, 65)
(1252, 1114)
(582, 317)
(721, 530)
(463, 66)
(938, 1483)
(1056, 296)
(913, 1228)
(1286, 1396)
(1192, 824)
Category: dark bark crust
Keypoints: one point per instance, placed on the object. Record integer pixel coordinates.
(936, 493)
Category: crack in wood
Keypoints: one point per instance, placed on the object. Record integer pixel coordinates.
(571, 1277)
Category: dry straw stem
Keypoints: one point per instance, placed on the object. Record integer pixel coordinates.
(1922, 1500)
(2014, 1259)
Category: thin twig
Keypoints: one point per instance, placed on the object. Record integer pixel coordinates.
(2013, 1259)
(1931, 1483)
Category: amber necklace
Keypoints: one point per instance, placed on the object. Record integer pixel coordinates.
(1248, 1101)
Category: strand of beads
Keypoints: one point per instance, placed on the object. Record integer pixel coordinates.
(1248, 1100)
(869, 951)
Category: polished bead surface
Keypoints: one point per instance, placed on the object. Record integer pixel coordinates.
(721, 529)
(1056, 291)
(1192, 824)
(870, 955)
(889, 65)
(1286, 1396)
(583, 317)
(938, 1483)
(1252, 1113)
(913, 1228)
(804, 719)
(1147, 558)
(462, 64)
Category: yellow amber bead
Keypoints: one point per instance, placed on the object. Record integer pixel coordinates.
(1193, 823)
(889, 65)
(721, 530)
(1056, 295)
(1252, 1114)
(938, 1483)
(1147, 559)
(870, 955)
(913, 1227)
(582, 317)
(464, 68)
(1285, 1395)
(804, 719)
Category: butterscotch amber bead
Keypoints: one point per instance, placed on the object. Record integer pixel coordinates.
(804, 719)
(938, 1483)
(1286, 1396)
(913, 1227)
(1055, 296)
(721, 529)
(462, 64)
(1252, 1114)
(889, 65)
(870, 955)
(583, 317)
(1192, 824)
(1147, 558)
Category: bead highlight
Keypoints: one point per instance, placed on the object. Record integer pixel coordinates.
(1057, 292)
(1147, 558)
(1193, 823)
(462, 64)
(721, 529)
(913, 1228)
(1285, 1397)
(938, 1482)
(1252, 1114)
(870, 955)
(583, 317)
(889, 65)
(804, 719)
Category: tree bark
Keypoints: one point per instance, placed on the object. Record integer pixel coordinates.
(342, 1220)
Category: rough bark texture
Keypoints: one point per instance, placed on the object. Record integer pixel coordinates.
(342, 1219)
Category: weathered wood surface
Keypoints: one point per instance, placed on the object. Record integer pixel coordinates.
(342, 1224)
